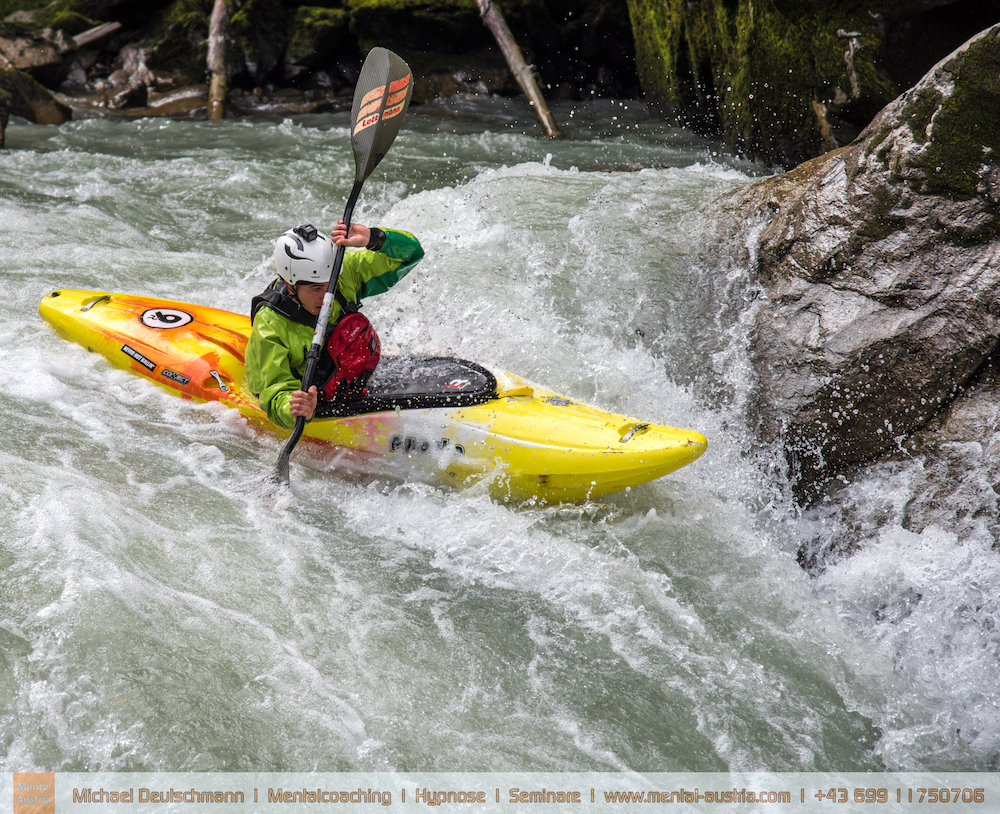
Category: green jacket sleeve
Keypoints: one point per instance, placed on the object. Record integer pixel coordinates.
(366, 273)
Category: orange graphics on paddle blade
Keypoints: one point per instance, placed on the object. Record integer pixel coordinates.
(396, 101)
(377, 104)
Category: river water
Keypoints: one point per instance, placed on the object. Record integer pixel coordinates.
(160, 610)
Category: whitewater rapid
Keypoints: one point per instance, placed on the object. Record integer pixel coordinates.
(162, 611)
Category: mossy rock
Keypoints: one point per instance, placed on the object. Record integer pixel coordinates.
(920, 113)
(30, 100)
(12, 29)
(752, 71)
(444, 26)
(71, 22)
(179, 38)
(8, 7)
(6, 100)
(48, 13)
(260, 29)
(964, 128)
(319, 35)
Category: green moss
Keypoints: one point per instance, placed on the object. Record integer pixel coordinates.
(66, 15)
(317, 33)
(880, 224)
(10, 6)
(879, 137)
(755, 68)
(966, 130)
(657, 28)
(181, 38)
(10, 29)
(320, 17)
(71, 22)
(987, 233)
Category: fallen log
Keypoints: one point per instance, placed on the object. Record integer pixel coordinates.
(522, 71)
(96, 33)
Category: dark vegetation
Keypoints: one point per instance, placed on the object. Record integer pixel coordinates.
(580, 49)
(779, 81)
(786, 80)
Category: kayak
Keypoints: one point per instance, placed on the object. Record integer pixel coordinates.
(434, 419)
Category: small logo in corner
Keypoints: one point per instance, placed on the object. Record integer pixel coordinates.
(34, 793)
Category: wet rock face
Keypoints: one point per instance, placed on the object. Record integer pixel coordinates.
(43, 53)
(782, 81)
(22, 96)
(881, 271)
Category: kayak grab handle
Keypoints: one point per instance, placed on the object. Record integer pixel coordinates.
(94, 302)
(632, 431)
(516, 391)
(222, 385)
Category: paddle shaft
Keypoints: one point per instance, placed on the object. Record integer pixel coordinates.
(316, 348)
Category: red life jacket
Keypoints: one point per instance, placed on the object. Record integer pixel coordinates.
(355, 350)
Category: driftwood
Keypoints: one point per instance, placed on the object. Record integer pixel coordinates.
(218, 41)
(97, 33)
(522, 71)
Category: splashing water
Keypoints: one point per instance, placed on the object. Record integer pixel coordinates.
(161, 612)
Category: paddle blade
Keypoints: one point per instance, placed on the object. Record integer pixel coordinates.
(280, 473)
(381, 98)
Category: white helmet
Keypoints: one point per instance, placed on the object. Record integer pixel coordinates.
(303, 255)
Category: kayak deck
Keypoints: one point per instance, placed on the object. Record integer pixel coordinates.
(414, 382)
(435, 419)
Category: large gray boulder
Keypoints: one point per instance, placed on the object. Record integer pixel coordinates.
(44, 53)
(880, 271)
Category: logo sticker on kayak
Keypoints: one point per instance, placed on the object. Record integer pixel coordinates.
(142, 360)
(165, 318)
(410, 444)
(167, 373)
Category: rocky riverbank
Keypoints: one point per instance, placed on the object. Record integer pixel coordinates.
(778, 84)
(110, 59)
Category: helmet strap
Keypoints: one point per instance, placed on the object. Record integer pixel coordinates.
(293, 291)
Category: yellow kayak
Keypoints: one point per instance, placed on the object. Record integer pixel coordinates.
(433, 419)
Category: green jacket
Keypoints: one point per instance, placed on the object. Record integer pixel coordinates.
(278, 347)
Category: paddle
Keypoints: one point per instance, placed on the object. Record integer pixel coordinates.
(381, 98)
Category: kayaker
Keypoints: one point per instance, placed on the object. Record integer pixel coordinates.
(284, 316)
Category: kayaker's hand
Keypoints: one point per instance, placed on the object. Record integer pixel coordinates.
(357, 239)
(303, 404)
